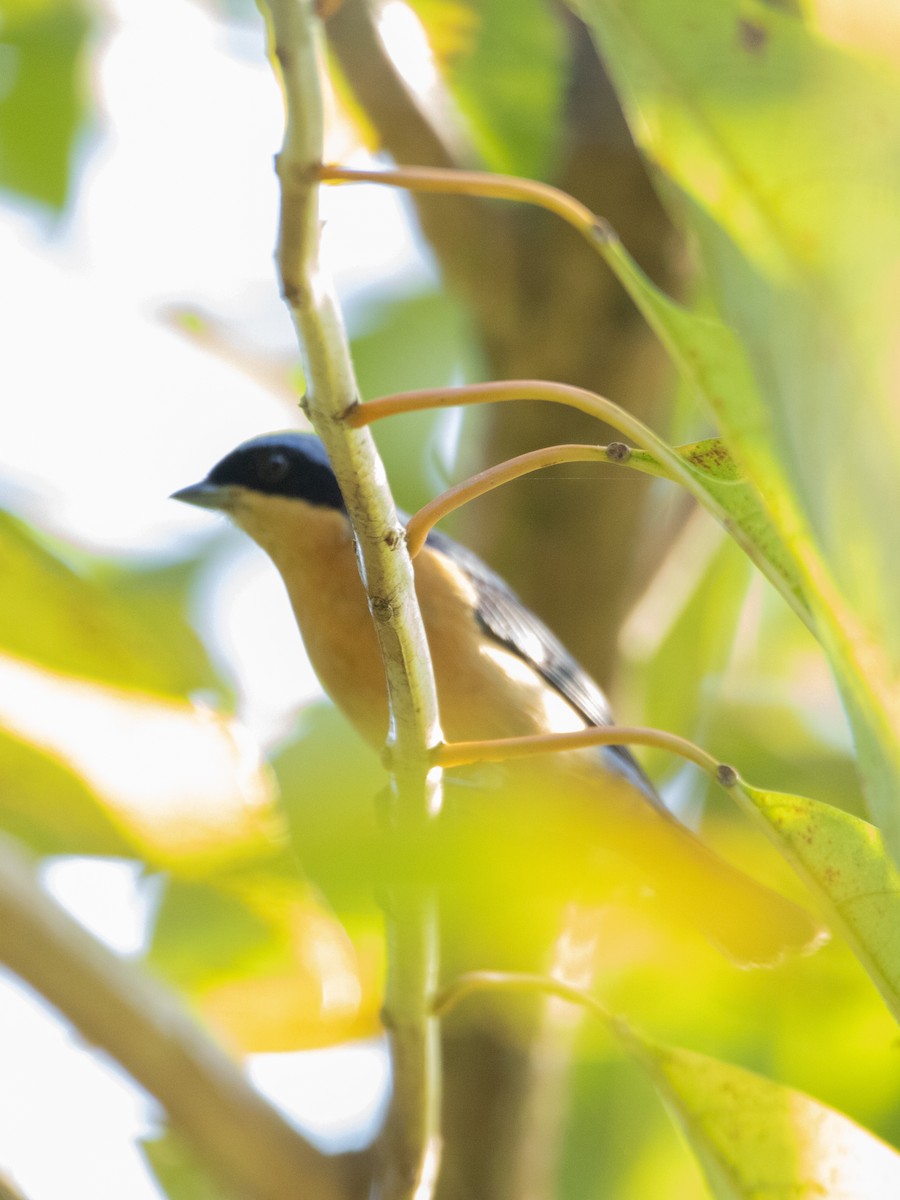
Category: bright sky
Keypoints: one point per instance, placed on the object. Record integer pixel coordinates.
(108, 411)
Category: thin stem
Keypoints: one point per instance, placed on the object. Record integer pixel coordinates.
(411, 1138)
(115, 1007)
(602, 238)
(557, 393)
(507, 981)
(422, 522)
(449, 181)
(460, 754)
(672, 465)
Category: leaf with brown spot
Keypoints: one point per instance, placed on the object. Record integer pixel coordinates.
(843, 860)
(760, 1140)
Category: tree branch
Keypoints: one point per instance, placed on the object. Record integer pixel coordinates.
(240, 1136)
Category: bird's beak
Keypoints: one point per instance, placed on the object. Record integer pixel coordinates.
(206, 495)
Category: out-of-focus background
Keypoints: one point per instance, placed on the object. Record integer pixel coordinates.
(144, 337)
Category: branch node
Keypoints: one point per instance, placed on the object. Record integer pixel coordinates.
(603, 232)
(294, 173)
(618, 452)
(725, 775)
(292, 293)
(382, 610)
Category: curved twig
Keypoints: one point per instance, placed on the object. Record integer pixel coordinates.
(458, 754)
(675, 467)
(495, 981)
(422, 522)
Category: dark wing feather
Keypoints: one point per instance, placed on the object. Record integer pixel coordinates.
(506, 619)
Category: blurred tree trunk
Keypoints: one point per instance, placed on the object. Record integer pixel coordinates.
(569, 549)
(544, 306)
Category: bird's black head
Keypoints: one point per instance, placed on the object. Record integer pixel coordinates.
(292, 465)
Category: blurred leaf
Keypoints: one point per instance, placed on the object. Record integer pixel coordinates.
(757, 1139)
(159, 597)
(43, 95)
(177, 1171)
(105, 754)
(203, 934)
(52, 808)
(53, 616)
(872, 26)
(515, 849)
(182, 785)
(505, 65)
(774, 200)
(781, 153)
(619, 1136)
(268, 965)
(772, 1022)
(767, 735)
(332, 785)
(329, 781)
(843, 860)
(507, 861)
(683, 629)
(413, 342)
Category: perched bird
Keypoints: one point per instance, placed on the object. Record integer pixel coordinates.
(499, 673)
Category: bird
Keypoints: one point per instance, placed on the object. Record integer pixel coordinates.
(499, 672)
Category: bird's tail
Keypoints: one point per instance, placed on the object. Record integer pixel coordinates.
(750, 923)
(747, 921)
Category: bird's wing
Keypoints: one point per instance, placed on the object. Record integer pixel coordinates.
(504, 617)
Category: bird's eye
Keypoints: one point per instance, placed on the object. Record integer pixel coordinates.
(273, 466)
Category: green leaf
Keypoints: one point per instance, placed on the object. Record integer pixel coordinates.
(759, 1140)
(263, 958)
(203, 935)
(52, 808)
(93, 676)
(43, 95)
(739, 502)
(329, 780)
(66, 621)
(684, 629)
(762, 518)
(843, 860)
(505, 65)
(412, 342)
(781, 154)
(179, 784)
(177, 1171)
(158, 598)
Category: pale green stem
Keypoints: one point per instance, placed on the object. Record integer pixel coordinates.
(602, 238)
(674, 467)
(511, 981)
(459, 754)
(411, 1138)
(422, 522)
